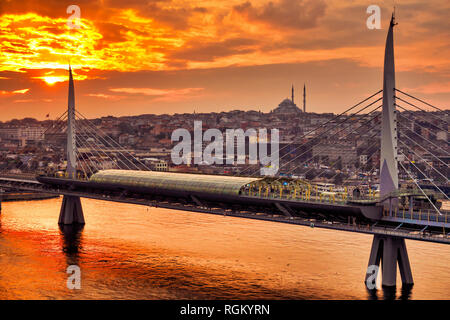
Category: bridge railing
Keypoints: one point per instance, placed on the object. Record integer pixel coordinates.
(65, 175)
(421, 215)
(312, 194)
(309, 195)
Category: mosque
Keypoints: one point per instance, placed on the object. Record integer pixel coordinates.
(288, 106)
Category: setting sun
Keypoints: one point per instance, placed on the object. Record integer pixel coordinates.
(50, 80)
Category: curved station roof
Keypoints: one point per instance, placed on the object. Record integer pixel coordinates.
(226, 185)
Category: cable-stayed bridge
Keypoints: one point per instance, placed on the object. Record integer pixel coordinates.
(98, 167)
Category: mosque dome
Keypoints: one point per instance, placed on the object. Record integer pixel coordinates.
(287, 107)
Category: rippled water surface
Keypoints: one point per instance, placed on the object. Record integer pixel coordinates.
(134, 252)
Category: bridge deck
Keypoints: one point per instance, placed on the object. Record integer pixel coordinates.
(405, 229)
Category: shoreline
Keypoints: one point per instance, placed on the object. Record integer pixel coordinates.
(23, 196)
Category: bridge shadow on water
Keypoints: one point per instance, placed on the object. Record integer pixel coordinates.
(72, 241)
(390, 293)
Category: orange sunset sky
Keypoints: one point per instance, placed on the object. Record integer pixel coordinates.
(174, 56)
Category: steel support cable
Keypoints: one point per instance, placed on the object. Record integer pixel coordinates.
(93, 150)
(89, 163)
(335, 162)
(435, 145)
(112, 140)
(338, 124)
(410, 175)
(426, 161)
(369, 173)
(370, 128)
(106, 143)
(368, 148)
(57, 122)
(341, 138)
(85, 168)
(60, 125)
(118, 158)
(325, 123)
(426, 176)
(79, 144)
(424, 102)
(431, 113)
(431, 143)
(89, 149)
(100, 137)
(324, 150)
(420, 119)
(365, 123)
(89, 166)
(98, 155)
(93, 164)
(336, 117)
(407, 148)
(326, 131)
(62, 118)
(42, 135)
(90, 144)
(80, 161)
(323, 133)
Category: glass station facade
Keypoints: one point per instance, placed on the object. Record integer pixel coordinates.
(225, 185)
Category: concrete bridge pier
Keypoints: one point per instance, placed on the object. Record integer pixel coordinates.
(71, 211)
(389, 251)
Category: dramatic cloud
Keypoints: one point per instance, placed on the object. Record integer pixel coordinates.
(301, 14)
(22, 91)
(198, 51)
(162, 94)
(158, 48)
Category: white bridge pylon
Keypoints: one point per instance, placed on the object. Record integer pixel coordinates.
(71, 209)
(388, 250)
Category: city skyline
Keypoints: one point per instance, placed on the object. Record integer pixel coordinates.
(181, 57)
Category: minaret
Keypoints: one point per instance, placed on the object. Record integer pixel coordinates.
(304, 97)
(292, 93)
